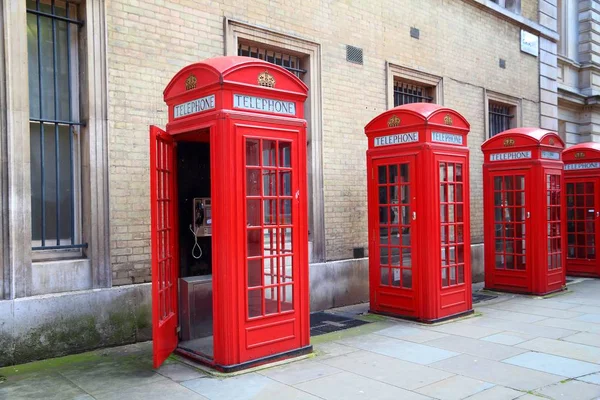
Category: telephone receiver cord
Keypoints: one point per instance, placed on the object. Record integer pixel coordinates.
(196, 245)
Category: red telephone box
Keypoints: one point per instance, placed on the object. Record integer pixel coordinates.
(418, 196)
(523, 210)
(582, 179)
(229, 216)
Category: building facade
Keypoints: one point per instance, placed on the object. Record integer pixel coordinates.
(82, 80)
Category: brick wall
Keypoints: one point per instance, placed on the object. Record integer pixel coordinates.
(149, 41)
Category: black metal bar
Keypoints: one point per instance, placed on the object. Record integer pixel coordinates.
(56, 135)
(54, 121)
(62, 247)
(58, 17)
(42, 139)
(71, 179)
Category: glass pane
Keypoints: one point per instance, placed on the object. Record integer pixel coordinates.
(269, 153)
(253, 212)
(254, 303)
(285, 212)
(450, 172)
(406, 257)
(404, 173)
(453, 275)
(508, 183)
(394, 215)
(270, 212)
(383, 236)
(270, 241)
(287, 272)
(444, 276)
(383, 255)
(252, 152)
(396, 277)
(254, 272)
(269, 182)
(383, 193)
(271, 296)
(451, 193)
(285, 183)
(405, 190)
(385, 276)
(383, 215)
(443, 195)
(393, 170)
(287, 298)
(254, 242)
(405, 215)
(395, 252)
(461, 274)
(443, 212)
(407, 278)
(443, 176)
(285, 154)
(285, 240)
(382, 173)
(270, 271)
(459, 176)
(459, 193)
(253, 182)
(498, 183)
(520, 182)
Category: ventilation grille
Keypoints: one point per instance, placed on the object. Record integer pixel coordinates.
(354, 55)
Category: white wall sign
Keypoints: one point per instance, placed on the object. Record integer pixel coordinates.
(451, 138)
(589, 165)
(515, 155)
(550, 155)
(194, 106)
(261, 104)
(399, 138)
(530, 43)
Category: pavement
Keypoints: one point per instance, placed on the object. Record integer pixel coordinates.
(513, 347)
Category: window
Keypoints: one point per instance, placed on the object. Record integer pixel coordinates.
(292, 63)
(512, 5)
(407, 86)
(406, 93)
(503, 112)
(568, 28)
(52, 42)
(500, 116)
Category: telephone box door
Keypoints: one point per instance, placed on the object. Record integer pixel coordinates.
(393, 220)
(165, 266)
(582, 225)
(510, 228)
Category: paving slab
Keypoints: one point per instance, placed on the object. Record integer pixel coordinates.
(350, 386)
(591, 339)
(168, 389)
(571, 390)
(563, 348)
(497, 372)
(475, 347)
(591, 378)
(529, 308)
(389, 370)
(557, 303)
(41, 386)
(508, 338)
(408, 351)
(410, 333)
(179, 372)
(594, 318)
(332, 349)
(298, 372)
(553, 364)
(509, 315)
(497, 393)
(571, 324)
(467, 330)
(521, 327)
(587, 309)
(455, 388)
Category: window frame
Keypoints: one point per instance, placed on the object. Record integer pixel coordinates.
(396, 72)
(51, 253)
(514, 103)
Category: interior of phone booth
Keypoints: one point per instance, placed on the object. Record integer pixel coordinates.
(193, 182)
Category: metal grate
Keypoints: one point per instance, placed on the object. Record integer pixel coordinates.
(323, 322)
(288, 61)
(52, 30)
(500, 116)
(406, 93)
(354, 55)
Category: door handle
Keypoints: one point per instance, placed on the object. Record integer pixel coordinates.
(528, 214)
(414, 215)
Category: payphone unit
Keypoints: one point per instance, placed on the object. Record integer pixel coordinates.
(202, 217)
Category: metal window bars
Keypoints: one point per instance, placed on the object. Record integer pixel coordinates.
(406, 93)
(288, 61)
(499, 116)
(53, 119)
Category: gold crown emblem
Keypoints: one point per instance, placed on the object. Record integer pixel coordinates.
(580, 154)
(393, 121)
(448, 119)
(551, 141)
(509, 142)
(266, 79)
(190, 82)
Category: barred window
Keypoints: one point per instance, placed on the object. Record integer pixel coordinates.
(291, 62)
(406, 93)
(500, 117)
(52, 43)
(512, 5)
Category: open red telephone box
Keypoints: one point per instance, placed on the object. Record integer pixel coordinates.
(582, 180)
(418, 196)
(524, 211)
(229, 216)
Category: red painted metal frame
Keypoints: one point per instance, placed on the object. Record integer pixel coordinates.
(535, 155)
(429, 298)
(582, 169)
(239, 340)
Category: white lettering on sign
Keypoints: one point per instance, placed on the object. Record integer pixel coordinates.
(261, 104)
(550, 155)
(515, 155)
(399, 138)
(589, 165)
(530, 43)
(194, 106)
(446, 138)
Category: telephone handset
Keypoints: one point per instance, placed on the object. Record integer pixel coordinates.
(202, 223)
